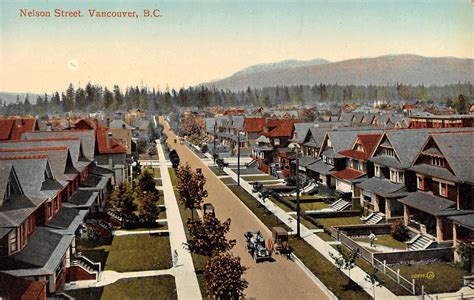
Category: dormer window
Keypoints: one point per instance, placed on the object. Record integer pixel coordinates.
(358, 147)
(389, 152)
(420, 182)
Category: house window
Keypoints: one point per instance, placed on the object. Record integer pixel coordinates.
(360, 167)
(396, 176)
(377, 170)
(358, 147)
(437, 161)
(13, 241)
(420, 182)
(443, 189)
(56, 203)
(351, 163)
(48, 209)
(277, 142)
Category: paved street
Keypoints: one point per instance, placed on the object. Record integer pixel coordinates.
(281, 279)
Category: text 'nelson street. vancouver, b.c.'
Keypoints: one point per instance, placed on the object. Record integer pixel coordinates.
(91, 12)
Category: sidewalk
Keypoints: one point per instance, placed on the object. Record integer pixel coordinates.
(187, 285)
(109, 277)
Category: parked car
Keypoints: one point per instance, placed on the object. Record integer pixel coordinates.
(256, 246)
(174, 157)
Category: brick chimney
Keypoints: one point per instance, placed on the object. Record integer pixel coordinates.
(108, 141)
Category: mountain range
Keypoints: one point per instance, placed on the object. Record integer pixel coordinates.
(405, 68)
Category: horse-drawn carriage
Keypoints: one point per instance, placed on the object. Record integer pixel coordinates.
(256, 246)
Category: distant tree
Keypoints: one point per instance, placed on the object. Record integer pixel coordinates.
(449, 102)
(209, 236)
(80, 99)
(191, 191)
(69, 104)
(462, 105)
(118, 97)
(27, 104)
(108, 100)
(223, 275)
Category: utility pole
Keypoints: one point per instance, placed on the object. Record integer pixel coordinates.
(297, 195)
(214, 148)
(238, 159)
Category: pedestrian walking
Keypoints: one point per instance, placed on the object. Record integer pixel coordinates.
(175, 258)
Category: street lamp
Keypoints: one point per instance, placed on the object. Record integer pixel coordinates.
(295, 147)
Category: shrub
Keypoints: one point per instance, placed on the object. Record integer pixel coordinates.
(399, 231)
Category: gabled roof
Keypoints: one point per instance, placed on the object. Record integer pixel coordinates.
(457, 149)
(344, 139)
(254, 124)
(113, 147)
(87, 138)
(12, 129)
(59, 158)
(283, 128)
(119, 124)
(316, 135)
(300, 131)
(369, 143)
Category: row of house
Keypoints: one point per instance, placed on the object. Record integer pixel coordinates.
(51, 182)
(421, 174)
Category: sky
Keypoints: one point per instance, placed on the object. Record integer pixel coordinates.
(199, 41)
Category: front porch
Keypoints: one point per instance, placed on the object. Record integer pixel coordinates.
(426, 214)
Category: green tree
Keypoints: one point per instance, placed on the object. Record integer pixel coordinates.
(209, 236)
(223, 275)
(146, 182)
(69, 103)
(345, 260)
(374, 280)
(122, 200)
(191, 191)
(147, 206)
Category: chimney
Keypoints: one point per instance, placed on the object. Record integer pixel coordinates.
(108, 140)
(108, 122)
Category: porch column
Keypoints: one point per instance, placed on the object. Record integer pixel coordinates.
(457, 257)
(388, 209)
(376, 204)
(439, 229)
(406, 214)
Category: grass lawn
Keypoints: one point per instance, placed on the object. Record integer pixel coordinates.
(158, 182)
(335, 280)
(158, 287)
(446, 277)
(385, 280)
(174, 180)
(161, 200)
(385, 240)
(228, 180)
(156, 173)
(281, 205)
(313, 205)
(258, 178)
(324, 236)
(328, 222)
(217, 171)
(134, 253)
